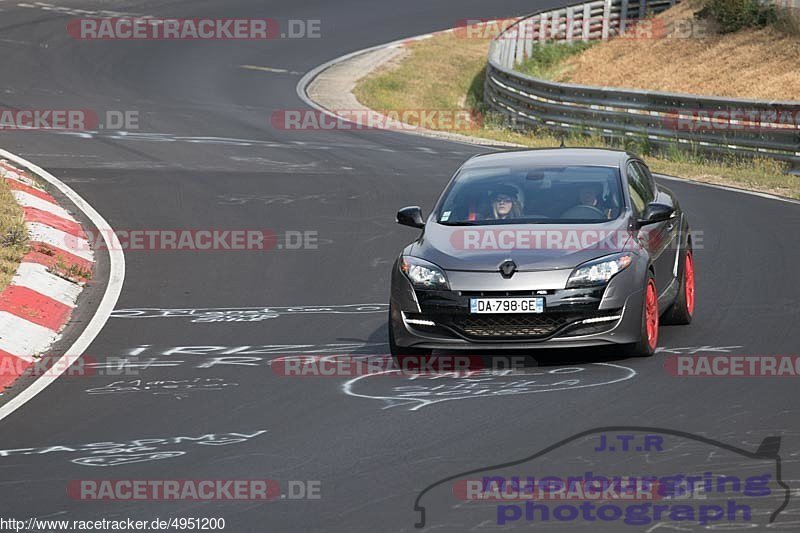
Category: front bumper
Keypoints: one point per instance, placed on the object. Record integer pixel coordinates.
(573, 318)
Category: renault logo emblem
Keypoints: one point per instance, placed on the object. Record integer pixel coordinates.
(507, 268)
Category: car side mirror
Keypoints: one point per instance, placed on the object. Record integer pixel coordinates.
(411, 216)
(656, 212)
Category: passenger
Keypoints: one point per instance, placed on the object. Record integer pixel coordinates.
(505, 204)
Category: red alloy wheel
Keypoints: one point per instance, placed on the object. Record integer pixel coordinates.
(651, 314)
(688, 283)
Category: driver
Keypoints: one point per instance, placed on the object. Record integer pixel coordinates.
(505, 204)
(589, 195)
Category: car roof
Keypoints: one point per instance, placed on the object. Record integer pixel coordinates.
(550, 157)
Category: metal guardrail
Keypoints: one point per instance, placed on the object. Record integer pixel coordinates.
(706, 124)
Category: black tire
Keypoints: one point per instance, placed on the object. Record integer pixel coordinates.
(401, 352)
(644, 348)
(679, 312)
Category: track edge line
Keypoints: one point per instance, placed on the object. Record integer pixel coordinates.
(116, 278)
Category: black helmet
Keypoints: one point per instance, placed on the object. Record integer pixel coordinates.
(506, 190)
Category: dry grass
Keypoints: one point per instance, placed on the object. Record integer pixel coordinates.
(13, 235)
(459, 64)
(747, 64)
(765, 175)
(447, 72)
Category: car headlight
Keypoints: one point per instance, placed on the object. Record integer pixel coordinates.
(423, 274)
(599, 271)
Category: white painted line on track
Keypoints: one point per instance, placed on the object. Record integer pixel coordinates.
(116, 278)
(271, 69)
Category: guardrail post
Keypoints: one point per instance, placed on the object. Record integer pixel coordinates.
(570, 23)
(555, 25)
(512, 48)
(530, 25)
(587, 16)
(542, 27)
(508, 54)
(519, 45)
(606, 19)
(623, 16)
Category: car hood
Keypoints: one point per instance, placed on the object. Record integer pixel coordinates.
(531, 246)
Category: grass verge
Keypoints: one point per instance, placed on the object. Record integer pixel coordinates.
(446, 72)
(13, 235)
(547, 60)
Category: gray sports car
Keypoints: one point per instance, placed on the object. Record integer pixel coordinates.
(544, 248)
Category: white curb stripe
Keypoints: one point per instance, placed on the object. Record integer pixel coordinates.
(116, 278)
(36, 277)
(18, 177)
(60, 239)
(23, 338)
(28, 200)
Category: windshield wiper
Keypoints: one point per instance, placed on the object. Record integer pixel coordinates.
(515, 222)
(461, 223)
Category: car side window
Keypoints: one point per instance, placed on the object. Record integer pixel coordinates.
(649, 182)
(636, 188)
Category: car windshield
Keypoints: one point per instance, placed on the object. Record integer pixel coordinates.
(532, 195)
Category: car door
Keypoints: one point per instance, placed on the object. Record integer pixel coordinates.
(656, 238)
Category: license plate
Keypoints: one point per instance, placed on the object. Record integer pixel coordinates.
(506, 305)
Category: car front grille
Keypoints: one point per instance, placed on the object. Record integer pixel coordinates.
(521, 326)
(510, 326)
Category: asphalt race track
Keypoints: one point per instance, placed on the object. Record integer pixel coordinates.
(206, 156)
